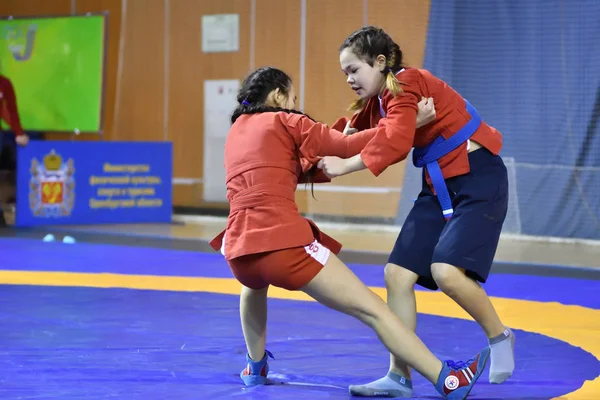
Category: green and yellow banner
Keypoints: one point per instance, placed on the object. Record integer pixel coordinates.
(56, 65)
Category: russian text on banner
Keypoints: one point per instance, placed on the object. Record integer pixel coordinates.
(67, 182)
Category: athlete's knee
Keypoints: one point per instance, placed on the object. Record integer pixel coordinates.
(399, 279)
(446, 276)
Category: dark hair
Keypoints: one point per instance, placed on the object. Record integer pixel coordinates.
(367, 43)
(253, 94)
(256, 88)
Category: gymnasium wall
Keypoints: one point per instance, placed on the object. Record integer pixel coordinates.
(156, 69)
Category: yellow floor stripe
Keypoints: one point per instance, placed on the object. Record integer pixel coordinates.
(576, 325)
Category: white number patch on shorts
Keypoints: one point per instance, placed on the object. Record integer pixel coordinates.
(317, 251)
(223, 244)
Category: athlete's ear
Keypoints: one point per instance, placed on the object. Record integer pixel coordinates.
(272, 100)
(380, 62)
(279, 96)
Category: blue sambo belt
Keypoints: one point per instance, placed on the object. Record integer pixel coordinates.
(428, 156)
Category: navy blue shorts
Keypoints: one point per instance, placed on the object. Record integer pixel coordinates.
(470, 239)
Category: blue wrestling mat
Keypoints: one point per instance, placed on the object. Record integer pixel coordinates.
(74, 327)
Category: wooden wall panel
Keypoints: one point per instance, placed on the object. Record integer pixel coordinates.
(140, 85)
(34, 8)
(327, 25)
(154, 86)
(277, 36)
(352, 204)
(188, 68)
(407, 25)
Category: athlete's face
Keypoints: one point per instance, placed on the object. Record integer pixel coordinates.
(366, 81)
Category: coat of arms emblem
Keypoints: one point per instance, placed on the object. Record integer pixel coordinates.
(52, 186)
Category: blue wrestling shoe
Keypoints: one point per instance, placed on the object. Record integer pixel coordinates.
(256, 372)
(457, 378)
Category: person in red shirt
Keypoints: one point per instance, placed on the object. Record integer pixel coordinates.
(270, 148)
(451, 234)
(9, 112)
